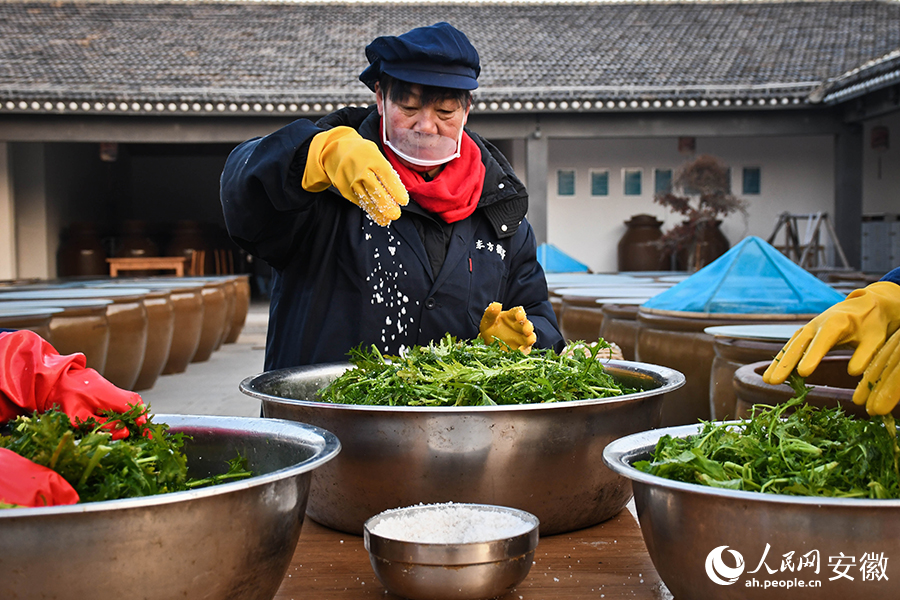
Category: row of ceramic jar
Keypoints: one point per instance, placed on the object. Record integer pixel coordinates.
(131, 330)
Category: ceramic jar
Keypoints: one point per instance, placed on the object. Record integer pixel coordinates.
(709, 244)
(32, 319)
(677, 340)
(188, 237)
(80, 325)
(229, 286)
(583, 318)
(185, 297)
(831, 387)
(241, 307)
(81, 252)
(620, 324)
(637, 248)
(215, 310)
(160, 331)
(134, 241)
(127, 317)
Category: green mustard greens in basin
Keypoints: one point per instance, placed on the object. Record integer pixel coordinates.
(150, 461)
(792, 448)
(472, 373)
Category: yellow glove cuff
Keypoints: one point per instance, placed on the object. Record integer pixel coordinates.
(322, 148)
(356, 167)
(887, 296)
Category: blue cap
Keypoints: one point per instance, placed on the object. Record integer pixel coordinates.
(438, 55)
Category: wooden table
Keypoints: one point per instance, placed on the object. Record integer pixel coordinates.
(608, 561)
(152, 263)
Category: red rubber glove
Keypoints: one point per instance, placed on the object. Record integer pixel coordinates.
(34, 377)
(25, 483)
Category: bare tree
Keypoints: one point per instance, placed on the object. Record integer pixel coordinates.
(701, 192)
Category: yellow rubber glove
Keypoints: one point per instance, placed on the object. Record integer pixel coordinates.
(356, 167)
(510, 326)
(865, 319)
(879, 388)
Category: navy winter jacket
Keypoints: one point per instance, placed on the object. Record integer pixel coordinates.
(341, 280)
(893, 276)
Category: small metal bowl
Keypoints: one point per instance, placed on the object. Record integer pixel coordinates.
(719, 544)
(451, 571)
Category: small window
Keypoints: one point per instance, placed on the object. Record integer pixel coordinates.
(565, 183)
(662, 180)
(631, 179)
(752, 183)
(599, 183)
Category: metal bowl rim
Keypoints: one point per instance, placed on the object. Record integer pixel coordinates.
(620, 453)
(495, 548)
(673, 380)
(330, 448)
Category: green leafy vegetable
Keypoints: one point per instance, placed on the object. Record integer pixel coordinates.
(791, 448)
(472, 373)
(149, 461)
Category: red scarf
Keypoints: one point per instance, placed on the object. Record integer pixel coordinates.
(453, 194)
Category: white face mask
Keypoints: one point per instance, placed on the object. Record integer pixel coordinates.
(417, 148)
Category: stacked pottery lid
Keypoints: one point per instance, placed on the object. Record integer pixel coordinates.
(753, 277)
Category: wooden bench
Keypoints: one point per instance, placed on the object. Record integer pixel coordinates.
(151, 263)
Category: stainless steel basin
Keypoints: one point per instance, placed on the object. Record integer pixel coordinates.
(232, 540)
(545, 459)
(718, 544)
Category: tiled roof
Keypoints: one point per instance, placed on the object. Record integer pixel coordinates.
(259, 57)
(874, 74)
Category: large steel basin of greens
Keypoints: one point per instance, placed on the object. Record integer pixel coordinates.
(542, 458)
(711, 543)
(231, 540)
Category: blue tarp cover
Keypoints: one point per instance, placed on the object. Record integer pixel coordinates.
(753, 277)
(554, 260)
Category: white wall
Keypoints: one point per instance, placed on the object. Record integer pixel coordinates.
(36, 219)
(7, 216)
(796, 176)
(881, 186)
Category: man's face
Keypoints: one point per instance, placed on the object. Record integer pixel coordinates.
(444, 118)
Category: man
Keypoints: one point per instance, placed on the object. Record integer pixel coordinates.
(390, 225)
(868, 319)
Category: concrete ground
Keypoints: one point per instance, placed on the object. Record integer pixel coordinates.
(211, 387)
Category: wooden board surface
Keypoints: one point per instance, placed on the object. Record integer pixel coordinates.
(607, 561)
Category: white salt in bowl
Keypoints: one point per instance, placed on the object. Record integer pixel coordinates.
(451, 551)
